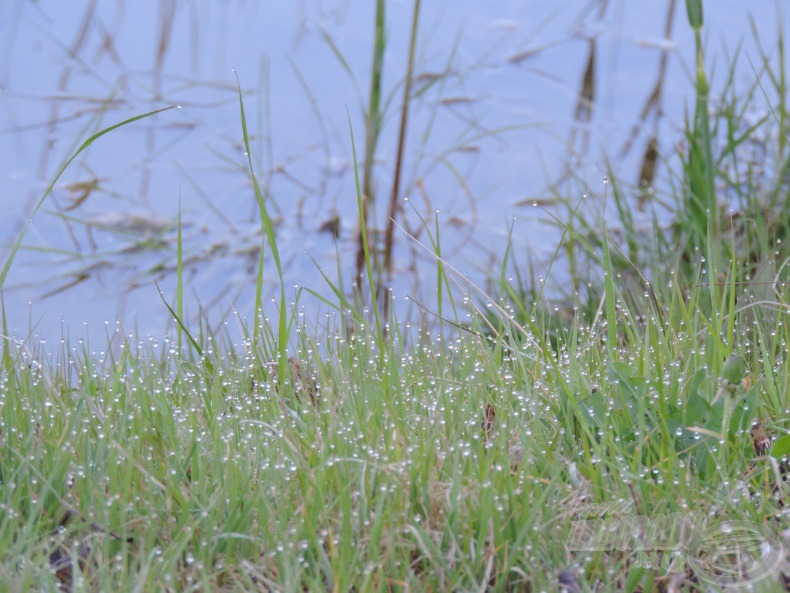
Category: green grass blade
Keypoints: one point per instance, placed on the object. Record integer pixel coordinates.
(206, 362)
(364, 234)
(8, 364)
(179, 274)
(268, 228)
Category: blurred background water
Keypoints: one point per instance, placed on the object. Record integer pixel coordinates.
(515, 103)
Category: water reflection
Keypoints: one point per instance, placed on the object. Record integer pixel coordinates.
(514, 103)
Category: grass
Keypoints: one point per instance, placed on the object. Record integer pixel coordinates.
(459, 457)
(213, 475)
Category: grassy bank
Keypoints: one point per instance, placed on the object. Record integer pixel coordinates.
(371, 454)
(422, 463)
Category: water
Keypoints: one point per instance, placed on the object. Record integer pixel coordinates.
(497, 128)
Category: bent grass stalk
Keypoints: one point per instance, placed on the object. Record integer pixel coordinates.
(84, 146)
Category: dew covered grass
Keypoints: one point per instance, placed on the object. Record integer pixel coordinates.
(457, 452)
(377, 466)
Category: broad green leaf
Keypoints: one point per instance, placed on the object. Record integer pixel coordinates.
(781, 447)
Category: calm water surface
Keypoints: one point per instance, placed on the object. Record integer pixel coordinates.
(496, 122)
